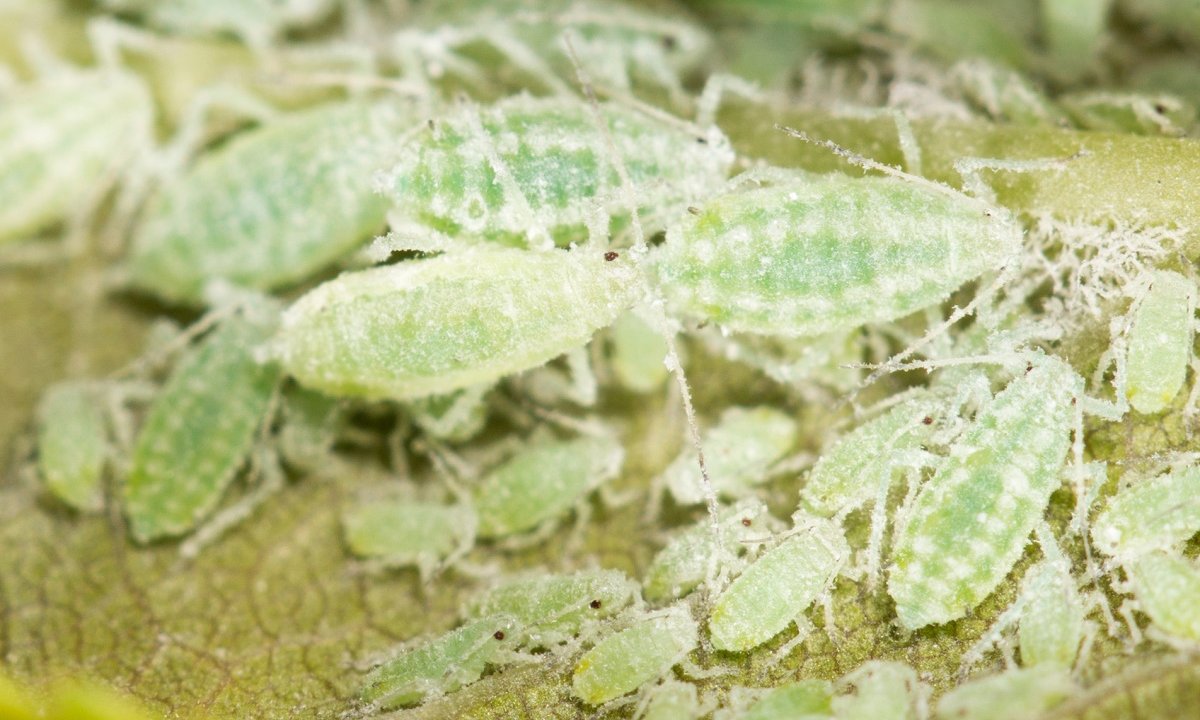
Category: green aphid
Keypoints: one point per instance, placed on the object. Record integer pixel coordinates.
(272, 206)
(970, 522)
(637, 354)
(813, 254)
(441, 665)
(801, 700)
(1159, 513)
(670, 700)
(740, 451)
(200, 429)
(73, 444)
(775, 590)
(1121, 112)
(691, 556)
(400, 532)
(1166, 587)
(1160, 341)
(454, 417)
(257, 23)
(63, 141)
(309, 428)
(625, 661)
(1016, 693)
(426, 327)
(543, 481)
(554, 609)
(1052, 620)
(539, 172)
(883, 690)
(1003, 94)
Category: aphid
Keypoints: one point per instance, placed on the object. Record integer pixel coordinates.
(554, 609)
(426, 327)
(1166, 587)
(775, 590)
(454, 417)
(802, 700)
(257, 23)
(670, 700)
(309, 428)
(813, 254)
(200, 429)
(403, 532)
(1159, 341)
(1004, 94)
(261, 214)
(441, 665)
(636, 354)
(63, 141)
(883, 690)
(627, 660)
(1130, 113)
(694, 555)
(970, 522)
(73, 444)
(1160, 513)
(1024, 693)
(543, 481)
(540, 172)
(740, 450)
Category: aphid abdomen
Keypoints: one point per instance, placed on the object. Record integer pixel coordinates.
(1052, 623)
(1159, 513)
(1166, 587)
(1160, 342)
(818, 254)
(433, 326)
(272, 206)
(73, 444)
(971, 520)
(623, 662)
(773, 591)
(199, 431)
(401, 532)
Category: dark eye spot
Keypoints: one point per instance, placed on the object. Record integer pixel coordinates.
(927, 420)
(595, 604)
(1028, 368)
(610, 256)
(432, 125)
(669, 42)
(1160, 108)
(499, 634)
(746, 522)
(1073, 401)
(692, 209)
(702, 141)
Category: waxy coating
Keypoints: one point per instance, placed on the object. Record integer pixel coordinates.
(1166, 587)
(424, 327)
(776, 588)
(62, 139)
(73, 445)
(803, 700)
(272, 206)
(440, 666)
(823, 253)
(543, 481)
(405, 532)
(1158, 513)
(1051, 624)
(624, 661)
(1160, 342)
(199, 430)
(527, 167)
(970, 522)
(1017, 693)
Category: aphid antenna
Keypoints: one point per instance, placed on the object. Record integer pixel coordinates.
(639, 251)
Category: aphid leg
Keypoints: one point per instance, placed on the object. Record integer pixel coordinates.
(524, 58)
(715, 87)
(804, 627)
(270, 481)
(969, 169)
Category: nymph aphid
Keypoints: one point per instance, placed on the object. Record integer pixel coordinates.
(804, 700)
(74, 445)
(625, 661)
(429, 536)
(1161, 326)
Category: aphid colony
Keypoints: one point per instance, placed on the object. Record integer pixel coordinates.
(611, 235)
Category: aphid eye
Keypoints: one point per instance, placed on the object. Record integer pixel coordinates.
(1073, 401)
(432, 125)
(702, 141)
(499, 634)
(595, 604)
(610, 256)
(927, 420)
(693, 210)
(1028, 368)
(1160, 108)
(669, 42)
(746, 522)
(987, 212)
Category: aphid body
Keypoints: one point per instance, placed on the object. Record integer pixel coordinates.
(670, 700)
(1052, 622)
(1160, 513)
(1130, 113)
(774, 590)
(812, 254)
(626, 660)
(543, 481)
(883, 690)
(740, 450)
(803, 700)
(63, 140)
(1013, 693)
(400, 533)
(536, 171)
(200, 429)
(970, 522)
(272, 206)
(425, 327)
(1160, 341)
(73, 444)
(553, 609)
(1166, 586)
(637, 353)
(256, 22)
(442, 665)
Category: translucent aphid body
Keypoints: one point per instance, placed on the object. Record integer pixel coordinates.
(684, 563)
(199, 430)
(819, 253)
(543, 481)
(1052, 619)
(774, 590)
(739, 450)
(671, 700)
(73, 444)
(62, 141)
(970, 522)
(529, 170)
(1130, 113)
(1160, 342)
(433, 326)
(803, 700)
(627, 660)
(442, 665)
(554, 608)
(1166, 587)
(260, 214)
(1159, 513)
(404, 532)
(637, 353)
(256, 22)
(883, 690)
(1016, 693)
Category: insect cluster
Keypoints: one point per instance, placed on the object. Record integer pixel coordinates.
(499, 258)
